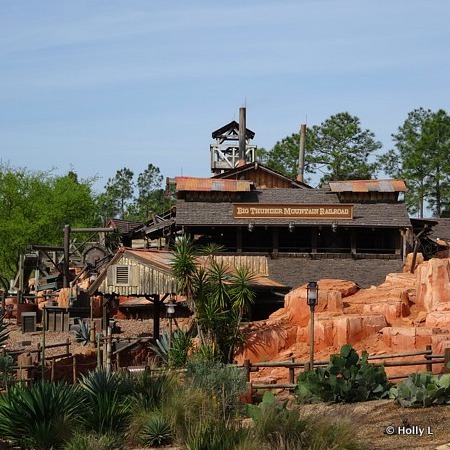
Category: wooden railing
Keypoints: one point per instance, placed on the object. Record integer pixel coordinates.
(428, 360)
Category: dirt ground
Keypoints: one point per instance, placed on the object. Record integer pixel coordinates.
(381, 424)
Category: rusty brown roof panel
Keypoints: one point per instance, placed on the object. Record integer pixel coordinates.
(368, 186)
(210, 184)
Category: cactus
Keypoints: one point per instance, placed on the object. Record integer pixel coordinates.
(347, 378)
(422, 390)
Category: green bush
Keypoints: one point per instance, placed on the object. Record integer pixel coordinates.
(224, 382)
(347, 378)
(422, 389)
(39, 416)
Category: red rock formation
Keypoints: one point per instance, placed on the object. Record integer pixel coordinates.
(405, 313)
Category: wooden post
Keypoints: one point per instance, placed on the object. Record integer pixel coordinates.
(52, 376)
(66, 256)
(292, 373)
(447, 360)
(3, 302)
(247, 367)
(429, 365)
(67, 346)
(74, 368)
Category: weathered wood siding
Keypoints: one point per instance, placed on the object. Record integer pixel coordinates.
(143, 280)
(257, 264)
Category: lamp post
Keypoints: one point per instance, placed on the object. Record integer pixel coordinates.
(312, 300)
(170, 310)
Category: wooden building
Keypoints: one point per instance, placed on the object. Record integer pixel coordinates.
(147, 274)
(354, 230)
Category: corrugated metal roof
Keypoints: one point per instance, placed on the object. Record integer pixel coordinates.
(368, 186)
(210, 184)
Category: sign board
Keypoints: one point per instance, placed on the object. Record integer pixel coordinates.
(304, 211)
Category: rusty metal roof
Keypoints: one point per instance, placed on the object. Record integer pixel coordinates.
(211, 185)
(368, 186)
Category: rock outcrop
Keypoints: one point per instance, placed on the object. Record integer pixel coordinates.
(405, 313)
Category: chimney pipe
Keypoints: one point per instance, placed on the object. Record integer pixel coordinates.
(301, 156)
(242, 142)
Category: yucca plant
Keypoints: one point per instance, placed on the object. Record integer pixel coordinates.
(108, 396)
(39, 416)
(4, 332)
(156, 431)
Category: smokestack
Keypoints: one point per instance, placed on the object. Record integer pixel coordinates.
(301, 156)
(242, 143)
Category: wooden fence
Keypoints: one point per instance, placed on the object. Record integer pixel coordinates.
(294, 367)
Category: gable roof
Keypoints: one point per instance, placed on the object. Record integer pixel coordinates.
(257, 166)
(230, 128)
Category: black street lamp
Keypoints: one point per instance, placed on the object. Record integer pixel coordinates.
(312, 297)
(170, 311)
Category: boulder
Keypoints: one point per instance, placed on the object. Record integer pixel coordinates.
(433, 284)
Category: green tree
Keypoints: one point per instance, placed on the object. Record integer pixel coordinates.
(118, 194)
(339, 148)
(421, 158)
(34, 207)
(150, 193)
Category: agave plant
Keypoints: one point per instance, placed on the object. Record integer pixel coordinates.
(83, 335)
(39, 416)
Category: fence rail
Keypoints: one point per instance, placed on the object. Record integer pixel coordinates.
(428, 361)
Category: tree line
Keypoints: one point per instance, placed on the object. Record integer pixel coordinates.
(35, 205)
(340, 149)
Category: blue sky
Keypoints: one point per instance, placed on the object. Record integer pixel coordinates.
(94, 86)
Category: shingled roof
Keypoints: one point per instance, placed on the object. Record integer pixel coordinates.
(392, 215)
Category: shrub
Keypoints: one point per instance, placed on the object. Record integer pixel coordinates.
(39, 416)
(276, 424)
(224, 382)
(347, 378)
(422, 389)
(219, 435)
(93, 441)
(150, 391)
(6, 371)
